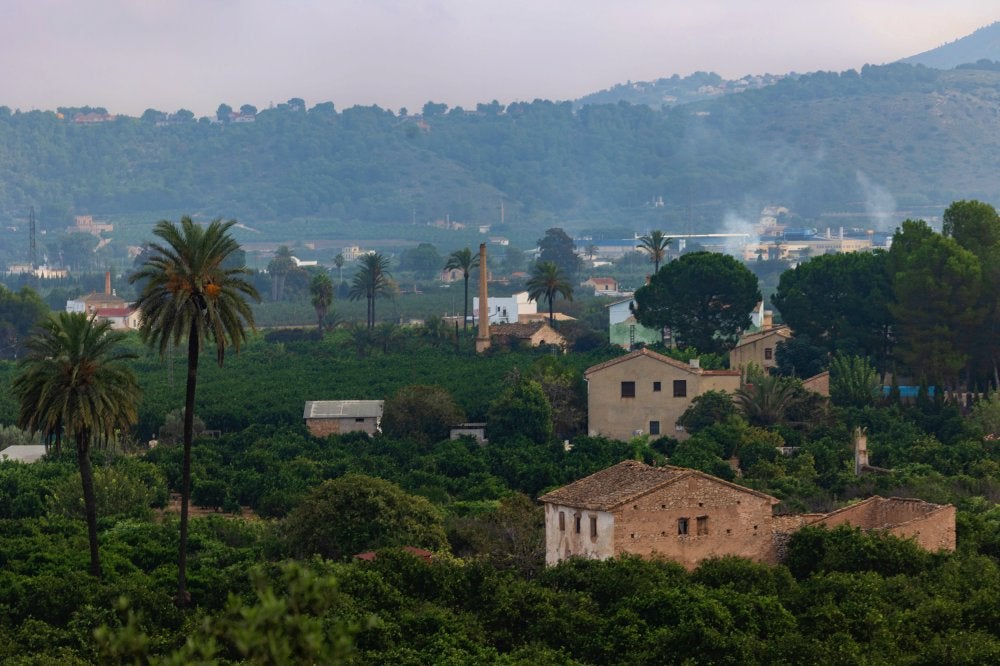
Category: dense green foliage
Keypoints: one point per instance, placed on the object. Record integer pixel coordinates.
(705, 298)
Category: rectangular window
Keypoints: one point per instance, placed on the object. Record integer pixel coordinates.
(680, 388)
(593, 526)
(576, 520)
(702, 525)
(628, 389)
(562, 521)
(654, 427)
(359, 420)
(682, 526)
(768, 353)
(656, 387)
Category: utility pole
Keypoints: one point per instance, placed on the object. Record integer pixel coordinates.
(32, 252)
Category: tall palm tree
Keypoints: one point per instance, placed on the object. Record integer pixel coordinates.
(371, 282)
(464, 260)
(548, 281)
(321, 289)
(189, 292)
(655, 245)
(75, 382)
(338, 261)
(279, 268)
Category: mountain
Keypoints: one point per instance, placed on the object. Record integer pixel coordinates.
(861, 148)
(983, 44)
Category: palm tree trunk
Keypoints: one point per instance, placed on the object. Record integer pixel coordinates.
(89, 500)
(552, 320)
(183, 597)
(465, 319)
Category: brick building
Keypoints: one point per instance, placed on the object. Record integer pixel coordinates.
(336, 417)
(688, 516)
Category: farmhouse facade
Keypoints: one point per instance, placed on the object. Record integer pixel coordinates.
(336, 417)
(644, 392)
(759, 348)
(688, 516)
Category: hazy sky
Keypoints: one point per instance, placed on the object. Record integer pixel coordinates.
(130, 55)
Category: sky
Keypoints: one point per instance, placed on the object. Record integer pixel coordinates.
(131, 55)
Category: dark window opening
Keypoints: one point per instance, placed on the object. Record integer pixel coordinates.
(654, 427)
(656, 387)
(682, 526)
(562, 521)
(702, 526)
(680, 388)
(359, 420)
(628, 389)
(576, 521)
(593, 526)
(768, 354)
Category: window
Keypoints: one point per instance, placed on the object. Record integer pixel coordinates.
(768, 353)
(593, 527)
(654, 427)
(562, 521)
(359, 420)
(680, 388)
(628, 389)
(702, 526)
(656, 387)
(576, 521)
(682, 526)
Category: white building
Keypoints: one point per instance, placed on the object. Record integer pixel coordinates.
(506, 309)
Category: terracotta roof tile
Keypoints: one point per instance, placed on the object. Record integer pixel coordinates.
(616, 485)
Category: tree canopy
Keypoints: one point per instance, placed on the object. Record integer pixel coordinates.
(705, 299)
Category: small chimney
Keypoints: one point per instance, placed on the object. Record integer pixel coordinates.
(483, 339)
(860, 450)
(695, 363)
(107, 283)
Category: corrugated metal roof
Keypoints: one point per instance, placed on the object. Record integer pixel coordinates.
(335, 409)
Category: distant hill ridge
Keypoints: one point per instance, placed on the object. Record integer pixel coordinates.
(983, 44)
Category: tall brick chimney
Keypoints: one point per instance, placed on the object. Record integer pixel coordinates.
(107, 283)
(483, 338)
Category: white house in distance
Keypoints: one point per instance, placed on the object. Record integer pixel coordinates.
(506, 309)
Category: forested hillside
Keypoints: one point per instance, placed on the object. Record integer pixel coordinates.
(819, 144)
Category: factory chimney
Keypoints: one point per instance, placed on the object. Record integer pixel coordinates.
(483, 338)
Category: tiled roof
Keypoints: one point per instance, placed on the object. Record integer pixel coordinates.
(657, 357)
(336, 409)
(525, 330)
(624, 482)
(781, 331)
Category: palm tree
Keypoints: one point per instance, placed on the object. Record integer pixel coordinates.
(464, 260)
(321, 289)
(766, 400)
(370, 282)
(655, 244)
(279, 268)
(548, 281)
(75, 382)
(338, 261)
(188, 292)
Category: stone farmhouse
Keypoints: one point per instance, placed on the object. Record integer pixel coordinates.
(759, 348)
(644, 392)
(531, 334)
(336, 417)
(688, 516)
